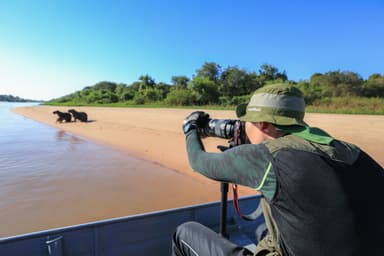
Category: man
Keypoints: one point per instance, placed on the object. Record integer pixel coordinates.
(321, 196)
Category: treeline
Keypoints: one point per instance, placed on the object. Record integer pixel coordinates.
(212, 85)
(341, 84)
(11, 98)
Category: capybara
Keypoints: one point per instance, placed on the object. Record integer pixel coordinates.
(62, 116)
(82, 116)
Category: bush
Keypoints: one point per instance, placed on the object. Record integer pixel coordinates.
(139, 99)
(348, 105)
(182, 97)
(234, 101)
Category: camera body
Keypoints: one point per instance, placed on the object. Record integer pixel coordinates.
(227, 129)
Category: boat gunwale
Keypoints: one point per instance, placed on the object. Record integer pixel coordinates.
(104, 222)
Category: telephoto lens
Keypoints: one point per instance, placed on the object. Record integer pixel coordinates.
(222, 128)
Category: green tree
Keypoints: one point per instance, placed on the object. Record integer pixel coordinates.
(338, 83)
(181, 97)
(209, 70)
(146, 81)
(120, 88)
(108, 86)
(205, 83)
(237, 82)
(180, 82)
(374, 86)
(164, 89)
(205, 89)
(152, 94)
(146, 90)
(126, 93)
(268, 72)
(311, 92)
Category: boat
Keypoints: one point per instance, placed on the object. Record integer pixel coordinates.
(141, 234)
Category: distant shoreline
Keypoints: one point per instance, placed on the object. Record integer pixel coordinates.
(21, 101)
(11, 98)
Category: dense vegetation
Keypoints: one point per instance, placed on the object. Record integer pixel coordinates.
(334, 91)
(11, 98)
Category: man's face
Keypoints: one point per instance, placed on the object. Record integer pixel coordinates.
(254, 133)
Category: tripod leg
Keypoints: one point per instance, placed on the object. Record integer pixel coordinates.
(223, 209)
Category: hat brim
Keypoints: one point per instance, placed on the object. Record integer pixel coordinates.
(241, 113)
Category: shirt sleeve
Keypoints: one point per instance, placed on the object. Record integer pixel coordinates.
(247, 165)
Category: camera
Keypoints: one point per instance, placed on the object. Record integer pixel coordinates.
(226, 129)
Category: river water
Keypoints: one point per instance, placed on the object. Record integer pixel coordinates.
(51, 178)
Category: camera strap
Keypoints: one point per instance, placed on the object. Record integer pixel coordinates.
(252, 216)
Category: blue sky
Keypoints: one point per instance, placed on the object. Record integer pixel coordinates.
(50, 48)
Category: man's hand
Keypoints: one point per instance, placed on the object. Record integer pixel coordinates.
(195, 120)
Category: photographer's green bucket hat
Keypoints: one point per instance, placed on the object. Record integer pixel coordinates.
(279, 104)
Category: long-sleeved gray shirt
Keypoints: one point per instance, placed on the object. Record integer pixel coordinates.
(248, 164)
